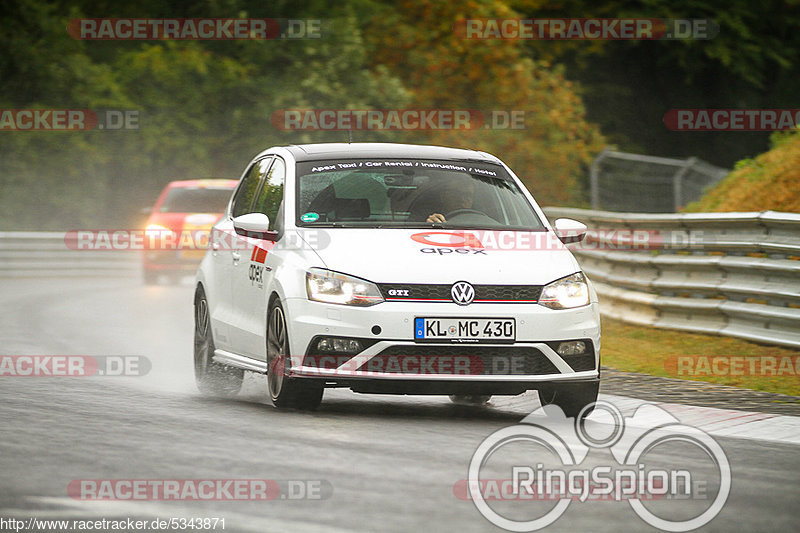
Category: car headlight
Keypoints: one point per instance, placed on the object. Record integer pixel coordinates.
(335, 288)
(566, 293)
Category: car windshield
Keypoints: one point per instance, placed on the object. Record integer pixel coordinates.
(196, 200)
(389, 193)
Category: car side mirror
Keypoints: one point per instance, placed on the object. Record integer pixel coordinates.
(254, 225)
(569, 231)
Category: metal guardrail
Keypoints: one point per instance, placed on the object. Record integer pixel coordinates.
(735, 274)
(42, 254)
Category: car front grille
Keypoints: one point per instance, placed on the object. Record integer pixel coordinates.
(460, 360)
(398, 292)
(579, 363)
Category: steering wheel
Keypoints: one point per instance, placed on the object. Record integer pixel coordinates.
(465, 211)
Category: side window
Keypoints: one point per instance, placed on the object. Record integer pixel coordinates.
(270, 197)
(248, 188)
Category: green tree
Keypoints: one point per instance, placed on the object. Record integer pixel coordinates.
(417, 42)
(204, 107)
(629, 85)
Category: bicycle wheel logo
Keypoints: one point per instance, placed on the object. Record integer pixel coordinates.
(629, 442)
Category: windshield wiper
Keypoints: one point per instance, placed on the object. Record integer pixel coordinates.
(324, 225)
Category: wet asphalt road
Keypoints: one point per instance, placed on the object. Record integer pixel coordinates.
(388, 463)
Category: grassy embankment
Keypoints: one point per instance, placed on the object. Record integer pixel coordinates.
(677, 354)
(770, 181)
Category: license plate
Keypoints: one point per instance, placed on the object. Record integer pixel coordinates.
(465, 329)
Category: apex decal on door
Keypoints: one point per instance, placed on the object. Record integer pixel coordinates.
(256, 272)
(258, 255)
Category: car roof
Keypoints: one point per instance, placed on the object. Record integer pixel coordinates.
(315, 152)
(204, 182)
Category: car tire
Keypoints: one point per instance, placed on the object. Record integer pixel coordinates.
(212, 378)
(572, 398)
(470, 399)
(286, 392)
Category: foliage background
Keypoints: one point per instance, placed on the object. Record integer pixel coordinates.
(770, 181)
(205, 106)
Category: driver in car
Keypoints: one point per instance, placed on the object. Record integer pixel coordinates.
(457, 194)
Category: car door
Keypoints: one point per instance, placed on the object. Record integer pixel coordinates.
(227, 251)
(252, 275)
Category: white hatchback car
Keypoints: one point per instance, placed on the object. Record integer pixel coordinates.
(390, 268)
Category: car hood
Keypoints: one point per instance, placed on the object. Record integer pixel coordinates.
(442, 256)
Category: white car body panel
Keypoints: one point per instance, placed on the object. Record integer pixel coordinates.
(239, 304)
(390, 255)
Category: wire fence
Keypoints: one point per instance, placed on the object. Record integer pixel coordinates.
(631, 182)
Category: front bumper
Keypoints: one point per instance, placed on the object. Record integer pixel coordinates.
(393, 355)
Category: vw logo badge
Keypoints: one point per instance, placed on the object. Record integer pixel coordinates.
(462, 293)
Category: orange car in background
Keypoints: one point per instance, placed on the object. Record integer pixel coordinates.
(178, 226)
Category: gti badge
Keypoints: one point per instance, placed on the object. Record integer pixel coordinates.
(462, 293)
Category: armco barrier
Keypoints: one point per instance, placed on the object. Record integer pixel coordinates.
(42, 254)
(735, 274)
